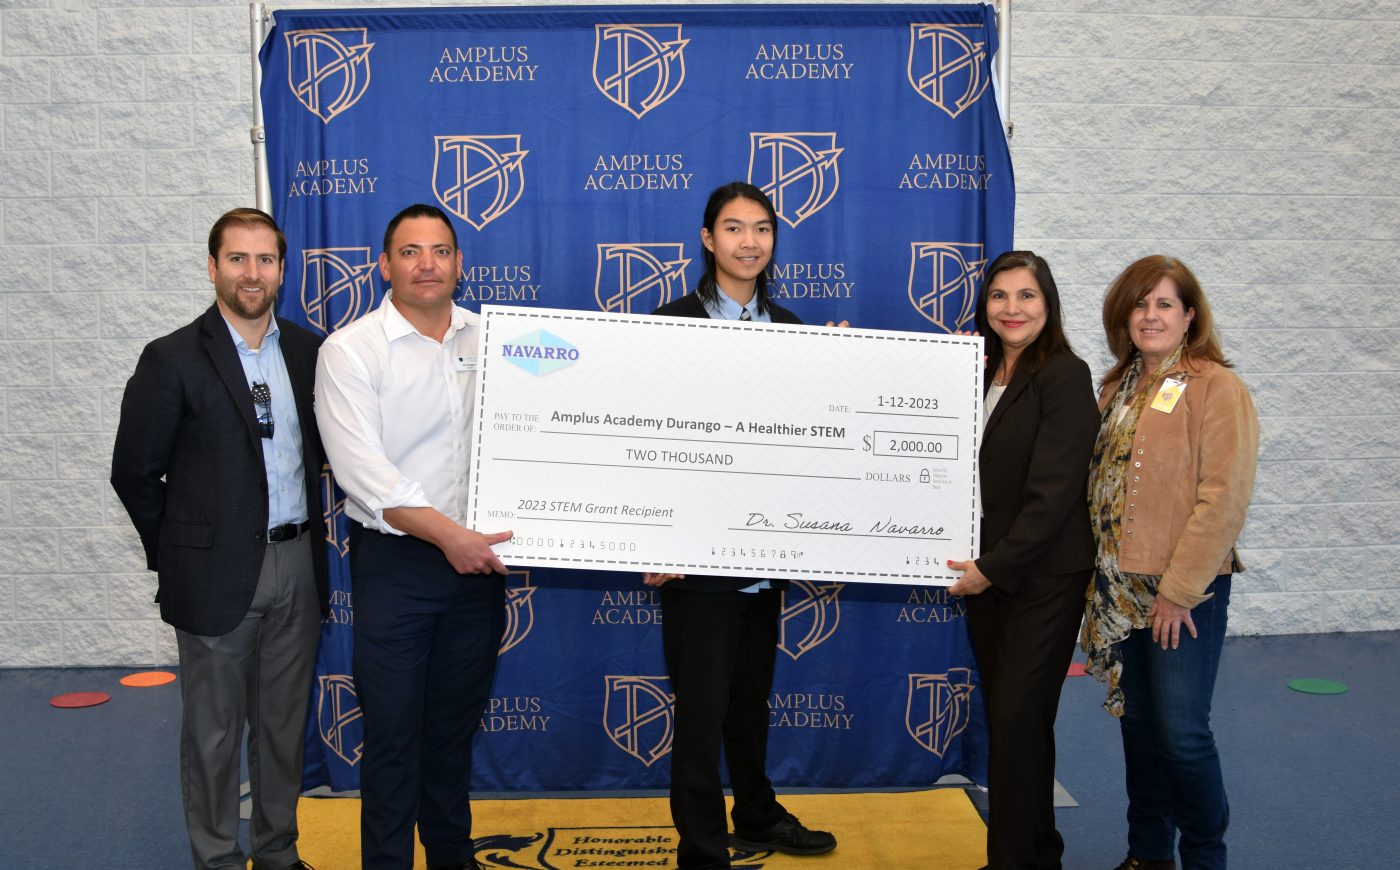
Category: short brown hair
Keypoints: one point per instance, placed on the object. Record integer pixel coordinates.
(1133, 284)
(417, 210)
(249, 218)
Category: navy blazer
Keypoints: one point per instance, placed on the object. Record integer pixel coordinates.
(188, 466)
(1034, 464)
(691, 306)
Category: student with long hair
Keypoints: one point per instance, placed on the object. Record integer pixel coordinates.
(720, 634)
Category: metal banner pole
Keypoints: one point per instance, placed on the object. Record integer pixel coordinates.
(262, 187)
(1003, 64)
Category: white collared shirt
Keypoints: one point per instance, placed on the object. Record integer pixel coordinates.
(395, 408)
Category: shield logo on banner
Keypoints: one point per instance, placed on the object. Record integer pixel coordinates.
(328, 70)
(337, 708)
(334, 512)
(797, 171)
(639, 716)
(638, 66)
(944, 279)
(811, 613)
(520, 610)
(946, 67)
(639, 277)
(337, 286)
(939, 708)
(478, 178)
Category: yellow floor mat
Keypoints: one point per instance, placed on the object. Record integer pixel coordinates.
(926, 830)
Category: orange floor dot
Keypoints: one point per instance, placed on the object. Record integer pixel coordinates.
(146, 679)
(1075, 670)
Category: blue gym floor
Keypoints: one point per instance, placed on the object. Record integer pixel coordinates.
(1312, 779)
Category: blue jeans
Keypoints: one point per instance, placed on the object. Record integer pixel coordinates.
(1174, 780)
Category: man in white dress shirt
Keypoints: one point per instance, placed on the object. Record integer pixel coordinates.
(394, 399)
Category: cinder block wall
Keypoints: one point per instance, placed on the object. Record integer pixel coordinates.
(1258, 142)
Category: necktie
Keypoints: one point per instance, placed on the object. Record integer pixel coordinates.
(744, 315)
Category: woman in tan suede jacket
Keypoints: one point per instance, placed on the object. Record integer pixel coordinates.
(1169, 486)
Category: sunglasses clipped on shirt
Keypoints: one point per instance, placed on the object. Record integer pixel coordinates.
(262, 400)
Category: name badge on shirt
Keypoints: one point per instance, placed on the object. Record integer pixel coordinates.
(465, 363)
(1168, 396)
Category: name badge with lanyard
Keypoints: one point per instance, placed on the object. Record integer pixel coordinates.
(1168, 395)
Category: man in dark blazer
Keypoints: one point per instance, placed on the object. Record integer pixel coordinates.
(218, 462)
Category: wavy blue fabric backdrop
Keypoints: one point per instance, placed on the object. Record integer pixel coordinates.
(575, 148)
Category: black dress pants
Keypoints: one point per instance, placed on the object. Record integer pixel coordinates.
(426, 639)
(1024, 643)
(720, 649)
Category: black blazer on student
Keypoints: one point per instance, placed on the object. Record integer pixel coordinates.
(691, 306)
(1034, 461)
(188, 466)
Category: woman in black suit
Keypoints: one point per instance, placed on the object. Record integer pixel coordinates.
(1025, 592)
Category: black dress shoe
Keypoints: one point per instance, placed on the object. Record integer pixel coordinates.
(1133, 863)
(465, 865)
(788, 836)
(300, 865)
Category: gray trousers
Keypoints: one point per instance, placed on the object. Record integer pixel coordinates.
(258, 674)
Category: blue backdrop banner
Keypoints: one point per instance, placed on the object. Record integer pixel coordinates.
(575, 148)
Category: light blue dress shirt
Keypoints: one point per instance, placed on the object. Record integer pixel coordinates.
(286, 479)
(723, 307)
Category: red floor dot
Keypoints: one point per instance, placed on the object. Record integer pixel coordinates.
(1075, 670)
(80, 699)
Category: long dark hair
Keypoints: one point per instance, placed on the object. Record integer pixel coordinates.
(1052, 338)
(719, 198)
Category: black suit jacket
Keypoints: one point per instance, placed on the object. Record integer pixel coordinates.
(188, 467)
(1035, 464)
(691, 306)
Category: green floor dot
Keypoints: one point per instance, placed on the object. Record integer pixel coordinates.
(1317, 687)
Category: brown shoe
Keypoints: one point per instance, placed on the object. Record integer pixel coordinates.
(1134, 863)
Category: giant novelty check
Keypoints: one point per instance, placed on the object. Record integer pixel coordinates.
(690, 446)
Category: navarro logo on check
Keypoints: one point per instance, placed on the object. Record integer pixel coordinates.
(540, 352)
